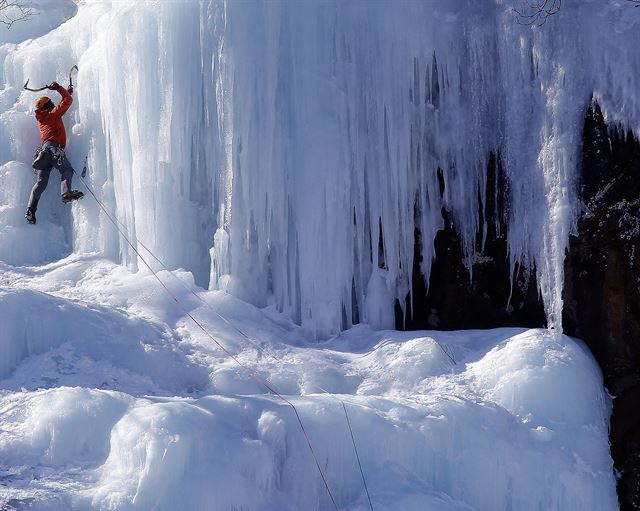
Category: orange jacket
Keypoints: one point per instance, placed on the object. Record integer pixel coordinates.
(50, 121)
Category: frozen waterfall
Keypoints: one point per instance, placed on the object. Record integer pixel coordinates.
(286, 151)
(285, 155)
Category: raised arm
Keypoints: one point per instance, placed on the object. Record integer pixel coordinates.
(64, 105)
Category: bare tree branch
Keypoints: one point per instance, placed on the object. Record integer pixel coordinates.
(12, 11)
(537, 12)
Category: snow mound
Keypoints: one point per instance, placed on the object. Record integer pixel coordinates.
(114, 400)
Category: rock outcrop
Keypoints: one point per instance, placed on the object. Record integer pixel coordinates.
(479, 293)
(602, 281)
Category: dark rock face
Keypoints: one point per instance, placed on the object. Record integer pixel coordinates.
(602, 284)
(461, 297)
(602, 281)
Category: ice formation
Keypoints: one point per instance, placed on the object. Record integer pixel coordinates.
(285, 151)
(112, 400)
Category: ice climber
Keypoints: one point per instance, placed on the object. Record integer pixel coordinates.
(51, 154)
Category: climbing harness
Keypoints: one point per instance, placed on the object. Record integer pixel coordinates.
(44, 157)
(57, 153)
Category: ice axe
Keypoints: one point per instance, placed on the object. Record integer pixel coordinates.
(73, 68)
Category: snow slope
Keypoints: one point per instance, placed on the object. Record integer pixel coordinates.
(113, 399)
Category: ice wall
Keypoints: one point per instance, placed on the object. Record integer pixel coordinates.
(286, 151)
(343, 112)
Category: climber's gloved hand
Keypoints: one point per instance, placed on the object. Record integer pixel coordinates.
(54, 86)
(70, 89)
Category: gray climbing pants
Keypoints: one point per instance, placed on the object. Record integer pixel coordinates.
(58, 160)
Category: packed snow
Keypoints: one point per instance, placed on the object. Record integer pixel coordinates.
(277, 156)
(113, 399)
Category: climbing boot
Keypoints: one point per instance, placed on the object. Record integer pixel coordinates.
(30, 216)
(72, 195)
